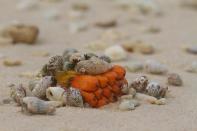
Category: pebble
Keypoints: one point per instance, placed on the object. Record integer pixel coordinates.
(12, 62)
(191, 49)
(126, 105)
(154, 67)
(106, 23)
(140, 83)
(134, 66)
(174, 79)
(25, 5)
(192, 68)
(146, 98)
(129, 46)
(116, 53)
(97, 45)
(145, 48)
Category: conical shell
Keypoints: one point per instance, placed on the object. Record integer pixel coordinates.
(56, 94)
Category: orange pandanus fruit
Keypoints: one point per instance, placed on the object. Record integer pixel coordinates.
(97, 90)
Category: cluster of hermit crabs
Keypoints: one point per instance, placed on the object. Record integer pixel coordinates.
(74, 79)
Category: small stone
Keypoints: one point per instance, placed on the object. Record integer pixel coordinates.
(154, 67)
(12, 62)
(126, 105)
(146, 98)
(192, 68)
(145, 48)
(174, 79)
(134, 66)
(191, 49)
(116, 53)
(107, 23)
(112, 35)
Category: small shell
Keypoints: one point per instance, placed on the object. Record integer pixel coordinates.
(191, 49)
(40, 88)
(12, 62)
(192, 68)
(17, 93)
(146, 98)
(140, 83)
(93, 66)
(161, 101)
(155, 67)
(125, 88)
(154, 89)
(107, 23)
(134, 66)
(37, 106)
(76, 57)
(105, 58)
(22, 33)
(68, 52)
(128, 105)
(116, 53)
(56, 94)
(145, 48)
(174, 79)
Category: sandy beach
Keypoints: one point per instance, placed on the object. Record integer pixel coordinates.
(177, 29)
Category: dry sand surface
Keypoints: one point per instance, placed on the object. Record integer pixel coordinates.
(178, 27)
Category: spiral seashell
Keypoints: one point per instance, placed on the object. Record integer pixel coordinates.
(68, 52)
(17, 93)
(140, 83)
(93, 66)
(174, 79)
(89, 55)
(154, 89)
(56, 94)
(40, 88)
(34, 105)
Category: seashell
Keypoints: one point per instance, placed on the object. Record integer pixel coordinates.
(140, 83)
(68, 52)
(134, 66)
(33, 105)
(56, 94)
(40, 88)
(154, 67)
(116, 53)
(145, 98)
(17, 93)
(192, 68)
(80, 6)
(126, 105)
(27, 5)
(174, 79)
(89, 55)
(76, 57)
(130, 46)
(144, 48)
(97, 45)
(93, 66)
(154, 89)
(33, 83)
(77, 26)
(12, 62)
(161, 101)
(125, 88)
(68, 66)
(105, 58)
(192, 49)
(21, 33)
(106, 23)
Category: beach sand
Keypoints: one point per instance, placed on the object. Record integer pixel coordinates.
(178, 28)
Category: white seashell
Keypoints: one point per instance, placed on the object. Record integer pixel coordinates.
(146, 98)
(27, 5)
(140, 83)
(134, 66)
(192, 68)
(174, 79)
(116, 53)
(128, 105)
(52, 14)
(154, 67)
(37, 106)
(56, 94)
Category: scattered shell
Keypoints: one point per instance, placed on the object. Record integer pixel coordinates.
(129, 46)
(192, 68)
(128, 105)
(93, 66)
(12, 62)
(140, 83)
(191, 49)
(161, 101)
(40, 88)
(56, 94)
(146, 98)
(97, 45)
(174, 79)
(106, 23)
(21, 33)
(132, 91)
(105, 58)
(32, 83)
(134, 66)
(156, 90)
(89, 55)
(80, 6)
(76, 57)
(145, 48)
(27, 5)
(17, 93)
(154, 67)
(116, 53)
(34, 105)
(67, 53)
